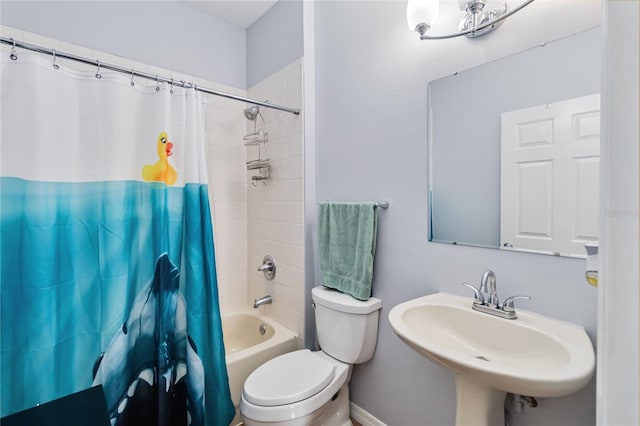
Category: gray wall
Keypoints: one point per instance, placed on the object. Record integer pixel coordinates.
(371, 144)
(166, 34)
(274, 41)
(466, 158)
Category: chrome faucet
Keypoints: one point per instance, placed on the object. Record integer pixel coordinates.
(491, 295)
(265, 300)
(486, 298)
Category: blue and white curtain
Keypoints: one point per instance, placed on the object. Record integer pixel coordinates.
(107, 255)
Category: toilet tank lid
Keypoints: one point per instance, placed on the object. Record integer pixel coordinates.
(342, 302)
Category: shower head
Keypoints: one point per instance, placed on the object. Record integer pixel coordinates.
(252, 112)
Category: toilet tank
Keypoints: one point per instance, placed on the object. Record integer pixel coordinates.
(347, 328)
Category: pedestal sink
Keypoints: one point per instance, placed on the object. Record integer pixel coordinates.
(490, 356)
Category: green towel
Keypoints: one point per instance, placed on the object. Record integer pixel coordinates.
(347, 240)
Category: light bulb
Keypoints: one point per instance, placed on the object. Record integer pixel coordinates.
(421, 12)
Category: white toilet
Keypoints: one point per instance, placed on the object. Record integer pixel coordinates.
(312, 388)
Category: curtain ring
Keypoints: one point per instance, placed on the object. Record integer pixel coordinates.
(98, 75)
(157, 84)
(13, 55)
(55, 66)
(132, 83)
(171, 87)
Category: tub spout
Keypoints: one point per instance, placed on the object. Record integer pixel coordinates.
(265, 300)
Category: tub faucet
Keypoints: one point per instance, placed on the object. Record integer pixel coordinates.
(264, 300)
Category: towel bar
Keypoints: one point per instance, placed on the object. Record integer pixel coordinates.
(383, 204)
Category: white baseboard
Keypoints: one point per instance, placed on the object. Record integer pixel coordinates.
(364, 417)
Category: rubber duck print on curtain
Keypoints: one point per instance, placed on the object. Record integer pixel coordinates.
(162, 171)
(107, 247)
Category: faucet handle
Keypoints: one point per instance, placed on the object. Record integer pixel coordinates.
(268, 267)
(507, 306)
(477, 295)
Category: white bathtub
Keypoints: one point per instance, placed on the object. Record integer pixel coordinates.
(246, 348)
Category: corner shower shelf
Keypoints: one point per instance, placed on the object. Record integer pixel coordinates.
(256, 138)
(264, 170)
(258, 164)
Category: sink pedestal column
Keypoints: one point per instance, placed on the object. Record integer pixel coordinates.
(477, 404)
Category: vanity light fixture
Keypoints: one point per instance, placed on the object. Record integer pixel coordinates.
(480, 17)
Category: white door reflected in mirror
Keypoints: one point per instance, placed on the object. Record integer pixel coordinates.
(550, 177)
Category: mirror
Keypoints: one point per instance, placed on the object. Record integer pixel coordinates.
(514, 150)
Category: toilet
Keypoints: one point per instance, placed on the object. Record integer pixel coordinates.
(312, 388)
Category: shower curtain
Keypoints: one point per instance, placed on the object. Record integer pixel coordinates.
(107, 257)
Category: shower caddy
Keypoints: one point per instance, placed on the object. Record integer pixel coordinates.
(259, 138)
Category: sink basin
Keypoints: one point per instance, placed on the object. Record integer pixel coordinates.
(533, 355)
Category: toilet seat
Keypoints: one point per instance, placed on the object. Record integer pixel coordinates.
(286, 412)
(289, 378)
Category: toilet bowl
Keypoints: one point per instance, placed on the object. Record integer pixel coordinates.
(312, 388)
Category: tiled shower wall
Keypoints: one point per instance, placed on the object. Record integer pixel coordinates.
(228, 195)
(275, 210)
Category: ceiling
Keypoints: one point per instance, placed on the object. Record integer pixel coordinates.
(242, 13)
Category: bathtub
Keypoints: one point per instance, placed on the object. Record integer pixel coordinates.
(250, 340)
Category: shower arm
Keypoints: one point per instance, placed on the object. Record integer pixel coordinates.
(140, 74)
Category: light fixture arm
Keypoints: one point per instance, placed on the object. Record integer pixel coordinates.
(422, 29)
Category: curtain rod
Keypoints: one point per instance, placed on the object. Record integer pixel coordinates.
(133, 73)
